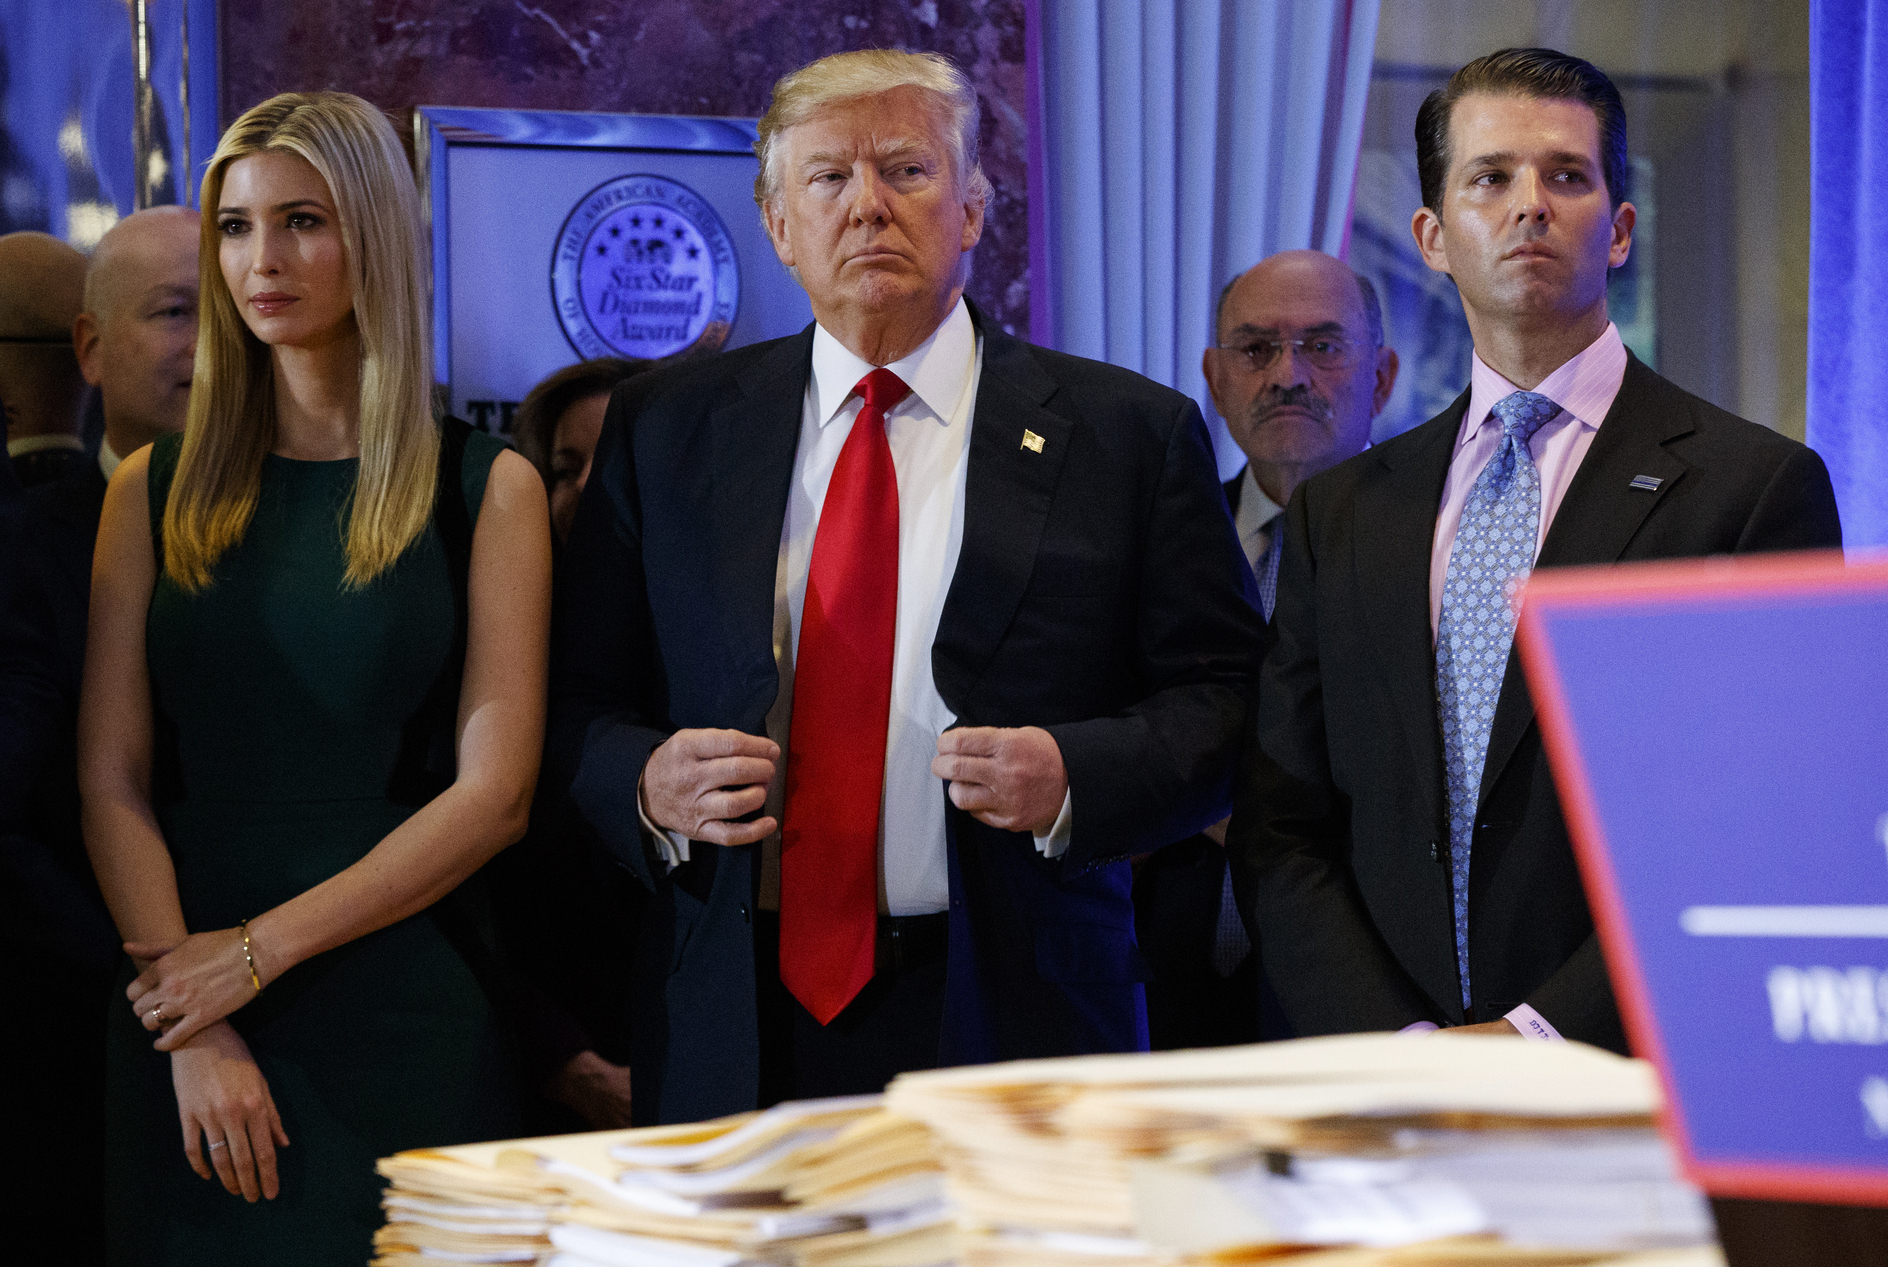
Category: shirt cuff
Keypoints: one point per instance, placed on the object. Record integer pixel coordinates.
(1056, 843)
(671, 846)
(1420, 1027)
(1533, 1025)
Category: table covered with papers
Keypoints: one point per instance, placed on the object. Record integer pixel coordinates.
(1339, 1152)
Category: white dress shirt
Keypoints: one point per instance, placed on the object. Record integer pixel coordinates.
(33, 444)
(1256, 519)
(929, 434)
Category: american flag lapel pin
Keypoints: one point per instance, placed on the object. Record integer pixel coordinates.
(1032, 441)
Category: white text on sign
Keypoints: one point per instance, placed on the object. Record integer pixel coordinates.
(1829, 1005)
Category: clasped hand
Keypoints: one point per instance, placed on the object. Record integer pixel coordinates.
(1008, 777)
(230, 1123)
(701, 782)
(190, 985)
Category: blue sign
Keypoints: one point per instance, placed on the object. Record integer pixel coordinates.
(1719, 734)
(643, 267)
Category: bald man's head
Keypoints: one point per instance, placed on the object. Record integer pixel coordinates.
(137, 338)
(42, 285)
(1299, 370)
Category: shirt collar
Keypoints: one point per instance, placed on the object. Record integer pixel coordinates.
(1256, 508)
(108, 458)
(33, 444)
(1584, 387)
(938, 371)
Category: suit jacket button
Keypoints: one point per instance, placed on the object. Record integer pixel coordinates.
(744, 915)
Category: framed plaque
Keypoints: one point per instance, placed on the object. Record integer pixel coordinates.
(560, 236)
(1716, 729)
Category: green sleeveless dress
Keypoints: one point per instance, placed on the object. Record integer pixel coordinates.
(284, 711)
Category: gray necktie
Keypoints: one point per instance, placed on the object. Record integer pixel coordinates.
(1231, 944)
(1494, 551)
(1267, 568)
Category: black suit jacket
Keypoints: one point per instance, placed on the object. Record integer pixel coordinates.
(54, 933)
(45, 466)
(1099, 593)
(1339, 850)
(51, 900)
(1177, 888)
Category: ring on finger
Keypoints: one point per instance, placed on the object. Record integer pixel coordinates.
(156, 1015)
(221, 1143)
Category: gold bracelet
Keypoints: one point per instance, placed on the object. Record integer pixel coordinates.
(248, 954)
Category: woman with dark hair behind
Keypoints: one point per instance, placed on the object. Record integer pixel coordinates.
(565, 915)
(557, 426)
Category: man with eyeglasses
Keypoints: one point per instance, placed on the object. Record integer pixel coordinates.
(1396, 838)
(1298, 371)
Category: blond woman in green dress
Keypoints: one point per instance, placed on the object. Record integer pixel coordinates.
(275, 610)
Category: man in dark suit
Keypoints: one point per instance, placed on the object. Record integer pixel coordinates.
(984, 597)
(136, 341)
(1298, 371)
(1397, 841)
(42, 281)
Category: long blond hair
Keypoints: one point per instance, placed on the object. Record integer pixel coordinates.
(230, 427)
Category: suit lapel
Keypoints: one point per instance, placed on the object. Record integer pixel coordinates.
(753, 439)
(1602, 511)
(1395, 530)
(1007, 494)
(1596, 521)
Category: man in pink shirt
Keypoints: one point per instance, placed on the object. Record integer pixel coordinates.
(1397, 844)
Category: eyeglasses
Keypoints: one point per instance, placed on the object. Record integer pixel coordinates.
(1323, 351)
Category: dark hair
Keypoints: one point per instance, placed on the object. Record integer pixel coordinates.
(534, 427)
(1373, 307)
(1522, 72)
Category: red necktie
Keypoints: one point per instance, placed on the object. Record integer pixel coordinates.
(842, 698)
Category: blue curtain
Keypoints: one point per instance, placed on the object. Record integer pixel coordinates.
(1848, 259)
(1172, 144)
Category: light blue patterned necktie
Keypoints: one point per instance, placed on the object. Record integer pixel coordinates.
(1494, 551)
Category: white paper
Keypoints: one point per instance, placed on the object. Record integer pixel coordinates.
(619, 1249)
(766, 1123)
(699, 1182)
(536, 1227)
(1400, 1211)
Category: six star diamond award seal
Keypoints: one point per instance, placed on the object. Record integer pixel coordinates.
(643, 267)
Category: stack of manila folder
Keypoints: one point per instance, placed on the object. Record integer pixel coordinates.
(1369, 1150)
(1358, 1151)
(818, 1183)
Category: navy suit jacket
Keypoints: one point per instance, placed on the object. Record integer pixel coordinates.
(1338, 846)
(1099, 593)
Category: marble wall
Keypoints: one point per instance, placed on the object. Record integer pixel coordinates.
(712, 57)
